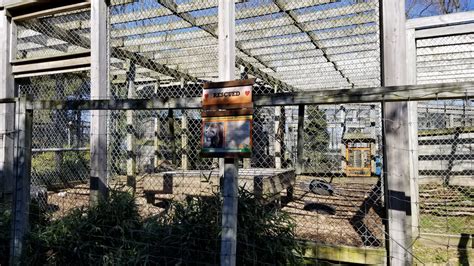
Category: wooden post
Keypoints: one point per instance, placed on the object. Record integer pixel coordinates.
(184, 140)
(300, 141)
(246, 162)
(21, 190)
(7, 111)
(226, 28)
(59, 124)
(396, 136)
(99, 88)
(278, 134)
(131, 153)
(171, 137)
(413, 131)
(184, 130)
(342, 145)
(156, 139)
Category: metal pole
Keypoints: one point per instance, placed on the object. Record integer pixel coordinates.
(229, 191)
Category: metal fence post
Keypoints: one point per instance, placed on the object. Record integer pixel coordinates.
(226, 30)
(21, 189)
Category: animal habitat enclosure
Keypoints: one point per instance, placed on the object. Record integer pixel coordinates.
(349, 122)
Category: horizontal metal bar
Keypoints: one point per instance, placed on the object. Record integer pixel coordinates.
(361, 95)
(60, 149)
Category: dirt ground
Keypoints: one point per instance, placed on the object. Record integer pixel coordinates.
(348, 217)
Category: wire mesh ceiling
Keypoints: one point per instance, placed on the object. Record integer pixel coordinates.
(297, 45)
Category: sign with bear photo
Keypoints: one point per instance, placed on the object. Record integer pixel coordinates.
(227, 119)
(227, 136)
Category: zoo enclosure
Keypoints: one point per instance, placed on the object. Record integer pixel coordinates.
(157, 61)
(25, 119)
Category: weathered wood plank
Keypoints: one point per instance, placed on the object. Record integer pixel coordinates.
(359, 95)
(433, 21)
(99, 91)
(52, 65)
(396, 134)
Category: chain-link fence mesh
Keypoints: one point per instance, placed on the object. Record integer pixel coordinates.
(307, 45)
(60, 166)
(329, 190)
(445, 148)
(445, 59)
(445, 183)
(61, 34)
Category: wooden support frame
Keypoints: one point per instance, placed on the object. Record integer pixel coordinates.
(413, 131)
(21, 190)
(228, 166)
(370, 95)
(99, 90)
(7, 110)
(300, 141)
(395, 122)
(57, 64)
(156, 137)
(131, 131)
(443, 20)
(52, 11)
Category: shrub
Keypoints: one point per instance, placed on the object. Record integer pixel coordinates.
(187, 232)
(5, 230)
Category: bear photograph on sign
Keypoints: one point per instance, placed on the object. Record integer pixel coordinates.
(227, 134)
(227, 119)
(213, 135)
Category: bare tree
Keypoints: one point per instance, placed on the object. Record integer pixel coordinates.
(423, 8)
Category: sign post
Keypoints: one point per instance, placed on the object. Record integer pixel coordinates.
(227, 133)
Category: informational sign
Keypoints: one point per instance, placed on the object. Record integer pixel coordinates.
(241, 95)
(227, 135)
(227, 119)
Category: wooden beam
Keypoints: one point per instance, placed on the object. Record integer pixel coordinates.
(300, 141)
(52, 11)
(7, 111)
(51, 65)
(443, 20)
(396, 134)
(411, 69)
(357, 95)
(22, 180)
(228, 167)
(99, 91)
(131, 131)
(445, 31)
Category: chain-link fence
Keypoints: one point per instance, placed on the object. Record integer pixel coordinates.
(445, 148)
(315, 173)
